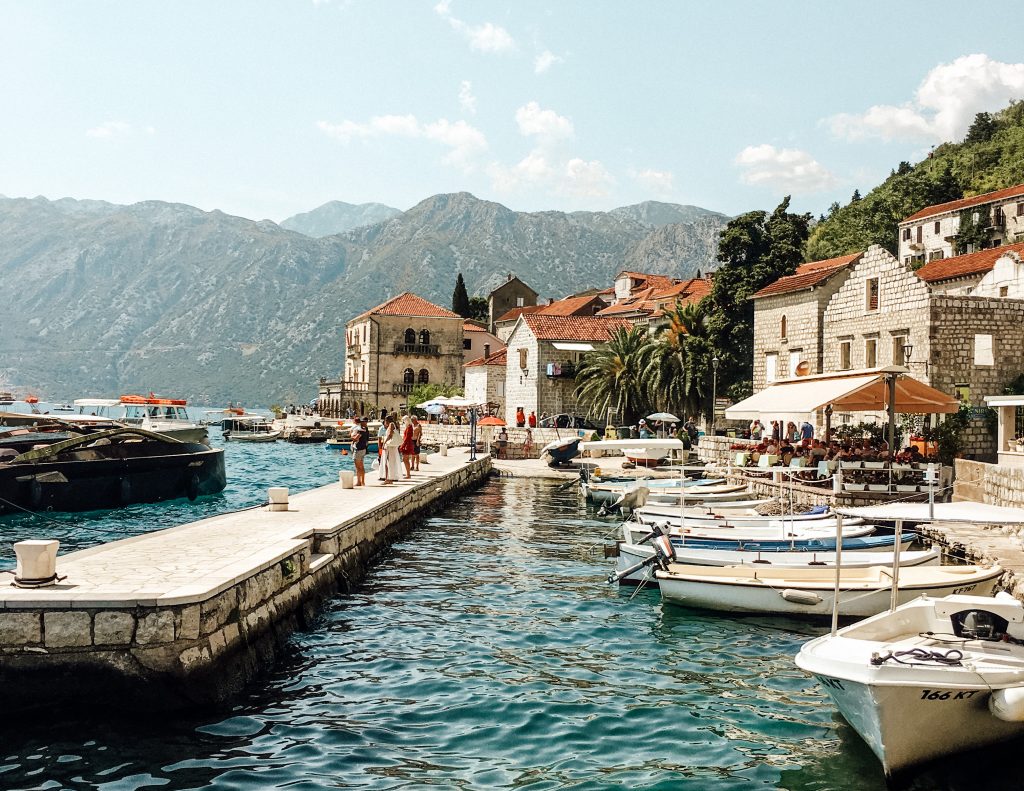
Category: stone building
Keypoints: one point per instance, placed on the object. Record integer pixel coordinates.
(485, 380)
(391, 348)
(513, 293)
(930, 234)
(584, 305)
(477, 342)
(542, 355)
(789, 319)
(646, 305)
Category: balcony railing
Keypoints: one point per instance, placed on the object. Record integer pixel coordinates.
(354, 350)
(417, 348)
(402, 389)
(561, 370)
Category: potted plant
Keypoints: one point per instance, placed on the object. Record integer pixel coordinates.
(906, 483)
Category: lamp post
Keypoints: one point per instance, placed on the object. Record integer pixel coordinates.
(714, 393)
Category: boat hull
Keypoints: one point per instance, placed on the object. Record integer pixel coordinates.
(768, 597)
(252, 436)
(109, 483)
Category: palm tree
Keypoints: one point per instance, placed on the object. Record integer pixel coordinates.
(612, 377)
(674, 370)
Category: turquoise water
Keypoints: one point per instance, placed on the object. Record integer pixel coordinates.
(485, 651)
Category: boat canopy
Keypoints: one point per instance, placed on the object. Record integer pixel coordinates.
(96, 403)
(850, 391)
(630, 444)
(980, 513)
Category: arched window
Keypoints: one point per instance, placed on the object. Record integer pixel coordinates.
(424, 337)
(782, 327)
(410, 336)
(408, 376)
(424, 376)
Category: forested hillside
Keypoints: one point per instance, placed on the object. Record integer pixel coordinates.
(990, 157)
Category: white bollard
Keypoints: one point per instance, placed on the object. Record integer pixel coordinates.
(278, 497)
(442, 449)
(37, 563)
(347, 478)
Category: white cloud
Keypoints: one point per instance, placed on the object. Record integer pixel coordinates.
(587, 178)
(487, 37)
(545, 61)
(467, 101)
(465, 143)
(545, 125)
(943, 106)
(110, 129)
(661, 182)
(783, 169)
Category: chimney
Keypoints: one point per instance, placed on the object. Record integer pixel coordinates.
(509, 275)
(487, 350)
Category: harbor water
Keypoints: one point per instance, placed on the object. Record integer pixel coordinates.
(484, 651)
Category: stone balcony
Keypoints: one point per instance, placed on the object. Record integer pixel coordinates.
(421, 349)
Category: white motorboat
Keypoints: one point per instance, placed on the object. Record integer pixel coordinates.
(631, 555)
(165, 416)
(737, 517)
(935, 676)
(780, 530)
(931, 678)
(812, 591)
(249, 428)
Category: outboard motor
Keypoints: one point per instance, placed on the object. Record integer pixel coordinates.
(663, 554)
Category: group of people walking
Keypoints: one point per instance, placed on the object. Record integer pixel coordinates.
(399, 446)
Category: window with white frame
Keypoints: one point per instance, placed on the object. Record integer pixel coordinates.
(771, 367)
(794, 361)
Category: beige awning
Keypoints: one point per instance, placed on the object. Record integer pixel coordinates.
(850, 391)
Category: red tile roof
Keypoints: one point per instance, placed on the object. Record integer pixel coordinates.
(808, 275)
(498, 358)
(966, 203)
(472, 326)
(572, 328)
(408, 304)
(647, 280)
(515, 313)
(572, 306)
(651, 300)
(965, 265)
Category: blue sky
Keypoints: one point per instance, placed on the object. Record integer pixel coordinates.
(264, 109)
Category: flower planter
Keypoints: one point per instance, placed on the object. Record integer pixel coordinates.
(874, 465)
(849, 465)
(900, 487)
(878, 487)
(901, 468)
(854, 487)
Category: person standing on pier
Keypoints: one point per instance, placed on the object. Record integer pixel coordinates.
(408, 446)
(386, 469)
(360, 439)
(417, 438)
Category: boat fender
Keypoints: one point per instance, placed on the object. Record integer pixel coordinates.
(192, 488)
(800, 597)
(1007, 704)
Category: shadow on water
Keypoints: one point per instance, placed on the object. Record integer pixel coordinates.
(486, 651)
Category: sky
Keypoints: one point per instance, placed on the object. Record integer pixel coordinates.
(269, 108)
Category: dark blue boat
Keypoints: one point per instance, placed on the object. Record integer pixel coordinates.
(562, 451)
(878, 543)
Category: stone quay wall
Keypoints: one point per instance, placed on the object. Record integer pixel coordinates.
(458, 436)
(718, 450)
(994, 484)
(169, 656)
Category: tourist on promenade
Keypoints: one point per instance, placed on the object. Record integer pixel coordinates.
(381, 433)
(756, 429)
(690, 427)
(503, 443)
(360, 439)
(417, 438)
(388, 470)
(528, 443)
(520, 417)
(645, 433)
(408, 446)
(806, 430)
(532, 420)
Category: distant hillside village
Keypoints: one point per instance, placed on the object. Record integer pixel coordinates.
(949, 307)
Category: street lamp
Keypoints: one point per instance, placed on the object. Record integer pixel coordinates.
(908, 350)
(714, 392)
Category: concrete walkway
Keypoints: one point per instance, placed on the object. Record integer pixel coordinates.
(192, 562)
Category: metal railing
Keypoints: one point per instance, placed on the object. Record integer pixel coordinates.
(417, 348)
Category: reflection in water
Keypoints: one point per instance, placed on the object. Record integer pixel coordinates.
(485, 651)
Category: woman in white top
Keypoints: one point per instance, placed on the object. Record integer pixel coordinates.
(388, 470)
(392, 458)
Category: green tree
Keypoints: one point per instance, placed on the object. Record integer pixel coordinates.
(460, 298)
(479, 309)
(983, 128)
(612, 377)
(756, 248)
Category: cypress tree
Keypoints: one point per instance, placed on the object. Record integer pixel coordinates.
(460, 298)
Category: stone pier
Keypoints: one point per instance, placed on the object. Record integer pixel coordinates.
(191, 614)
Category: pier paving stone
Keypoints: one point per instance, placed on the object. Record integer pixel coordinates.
(193, 562)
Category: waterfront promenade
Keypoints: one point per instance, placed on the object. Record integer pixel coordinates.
(193, 611)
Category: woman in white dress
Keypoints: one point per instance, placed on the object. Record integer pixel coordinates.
(394, 459)
(386, 471)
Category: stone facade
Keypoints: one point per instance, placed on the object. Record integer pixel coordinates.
(802, 312)
(513, 293)
(391, 348)
(528, 383)
(478, 342)
(929, 235)
(486, 384)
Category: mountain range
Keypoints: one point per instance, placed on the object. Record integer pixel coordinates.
(162, 297)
